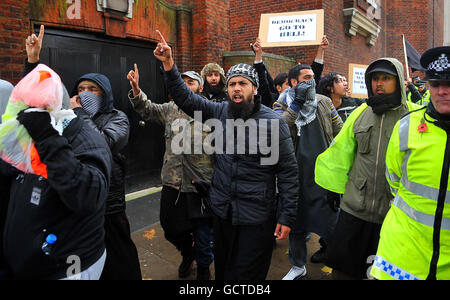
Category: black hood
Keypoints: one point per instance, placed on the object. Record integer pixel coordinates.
(105, 85)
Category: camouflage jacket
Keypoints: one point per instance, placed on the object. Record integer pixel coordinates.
(181, 167)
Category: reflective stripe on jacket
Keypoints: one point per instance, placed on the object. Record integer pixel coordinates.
(416, 162)
(354, 164)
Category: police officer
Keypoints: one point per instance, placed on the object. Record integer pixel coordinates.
(418, 92)
(415, 237)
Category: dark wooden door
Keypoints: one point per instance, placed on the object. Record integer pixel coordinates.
(73, 54)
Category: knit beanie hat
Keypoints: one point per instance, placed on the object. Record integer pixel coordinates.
(245, 71)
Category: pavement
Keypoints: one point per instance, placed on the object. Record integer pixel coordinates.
(159, 259)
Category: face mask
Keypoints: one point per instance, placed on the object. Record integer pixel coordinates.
(91, 102)
(384, 102)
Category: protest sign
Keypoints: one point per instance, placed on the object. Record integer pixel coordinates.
(300, 28)
(356, 80)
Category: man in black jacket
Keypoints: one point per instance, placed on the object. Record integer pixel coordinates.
(242, 194)
(67, 203)
(92, 101)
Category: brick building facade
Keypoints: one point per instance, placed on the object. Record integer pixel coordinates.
(201, 31)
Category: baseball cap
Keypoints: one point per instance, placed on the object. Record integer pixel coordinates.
(383, 66)
(193, 75)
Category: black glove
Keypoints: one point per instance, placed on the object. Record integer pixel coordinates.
(304, 91)
(202, 188)
(334, 200)
(37, 124)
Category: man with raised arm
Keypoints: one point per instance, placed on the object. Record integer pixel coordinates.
(242, 193)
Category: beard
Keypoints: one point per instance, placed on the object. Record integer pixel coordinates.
(214, 90)
(242, 110)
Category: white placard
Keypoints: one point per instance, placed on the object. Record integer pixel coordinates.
(296, 28)
(356, 80)
(359, 83)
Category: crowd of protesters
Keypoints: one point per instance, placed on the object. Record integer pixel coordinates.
(301, 156)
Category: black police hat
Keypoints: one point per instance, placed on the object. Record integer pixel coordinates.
(436, 62)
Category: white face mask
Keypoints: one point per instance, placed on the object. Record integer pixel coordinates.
(91, 102)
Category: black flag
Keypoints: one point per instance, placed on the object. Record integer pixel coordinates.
(413, 57)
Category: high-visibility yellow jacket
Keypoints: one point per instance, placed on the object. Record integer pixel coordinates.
(354, 164)
(415, 236)
(425, 98)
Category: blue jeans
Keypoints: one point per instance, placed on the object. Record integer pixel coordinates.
(202, 249)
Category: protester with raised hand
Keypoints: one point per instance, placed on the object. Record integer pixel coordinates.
(242, 193)
(267, 92)
(313, 122)
(184, 214)
(92, 101)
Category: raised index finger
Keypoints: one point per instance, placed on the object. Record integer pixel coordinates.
(162, 38)
(41, 33)
(136, 70)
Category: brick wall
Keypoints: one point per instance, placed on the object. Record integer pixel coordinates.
(345, 49)
(14, 29)
(211, 31)
(200, 31)
(420, 21)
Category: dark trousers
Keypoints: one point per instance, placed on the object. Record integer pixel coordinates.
(242, 252)
(122, 261)
(185, 226)
(352, 246)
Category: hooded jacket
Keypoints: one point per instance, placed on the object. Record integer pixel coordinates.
(113, 125)
(354, 165)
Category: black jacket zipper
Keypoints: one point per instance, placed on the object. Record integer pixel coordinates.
(440, 211)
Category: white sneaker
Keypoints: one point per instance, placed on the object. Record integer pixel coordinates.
(295, 273)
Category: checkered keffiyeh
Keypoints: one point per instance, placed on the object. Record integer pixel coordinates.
(441, 64)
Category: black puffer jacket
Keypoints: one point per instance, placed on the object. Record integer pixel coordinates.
(113, 125)
(242, 187)
(69, 204)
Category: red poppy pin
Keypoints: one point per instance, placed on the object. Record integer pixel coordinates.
(422, 127)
